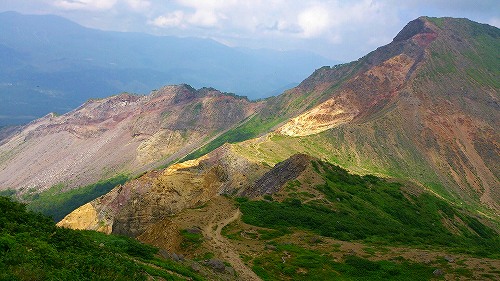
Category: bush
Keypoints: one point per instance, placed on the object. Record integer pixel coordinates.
(33, 248)
(372, 209)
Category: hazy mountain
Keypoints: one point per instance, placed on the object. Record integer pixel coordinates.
(50, 64)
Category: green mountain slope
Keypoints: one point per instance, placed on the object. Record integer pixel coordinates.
(367, 208)
(33, 248)
(423, 108)
(308, 219)
(325, 200)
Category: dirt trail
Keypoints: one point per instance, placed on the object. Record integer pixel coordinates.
(213, 232)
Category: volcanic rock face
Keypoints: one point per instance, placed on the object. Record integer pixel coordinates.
(130, 208)
(383, 76)
(432, 94)
(283, 172)
(120, 134)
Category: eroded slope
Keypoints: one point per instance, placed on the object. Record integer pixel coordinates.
(120, 134)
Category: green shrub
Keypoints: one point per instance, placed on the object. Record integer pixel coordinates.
(373, 210)
(57, 203)
(33, 248)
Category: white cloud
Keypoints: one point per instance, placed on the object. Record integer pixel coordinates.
(92, 5)
(204, 18)
(314, 21)
(174, 19)
(209, 4)
(344, 29)
(139, 4)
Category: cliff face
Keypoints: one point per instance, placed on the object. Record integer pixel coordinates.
(120, 134)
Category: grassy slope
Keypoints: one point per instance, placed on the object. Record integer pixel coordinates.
(305, 264)
(371, 209)
(389, 154)
(361, 209)
(283, 107)
(57, 203)
(33, 248)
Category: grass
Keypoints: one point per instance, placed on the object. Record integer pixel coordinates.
(231, 231)
(190, 240)
(291, 262)
(375, 211)
(252, 128)
(33, 248)
(57, 203)
(7, 193)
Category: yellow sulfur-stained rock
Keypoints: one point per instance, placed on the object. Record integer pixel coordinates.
(84, 217)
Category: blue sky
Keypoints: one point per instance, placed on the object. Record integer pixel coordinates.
(338, 29)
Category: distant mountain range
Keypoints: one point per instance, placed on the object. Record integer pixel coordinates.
(50, 64)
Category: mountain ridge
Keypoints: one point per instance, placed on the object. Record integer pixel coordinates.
(121, 134)
(376, 115)
(383, 168)
(68, 64)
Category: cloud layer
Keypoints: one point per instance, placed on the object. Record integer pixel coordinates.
(339, 29)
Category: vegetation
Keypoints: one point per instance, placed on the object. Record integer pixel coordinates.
(374, 210)
(251, 128)
(57, 203)
(33, 248)
(8, 193)
(191, 238)
(291, 262)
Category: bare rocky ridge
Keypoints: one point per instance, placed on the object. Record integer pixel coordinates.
(138, 205)
(131, 208)
(420, 97)
(121, 134)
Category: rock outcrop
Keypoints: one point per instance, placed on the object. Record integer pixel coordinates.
(131, 208)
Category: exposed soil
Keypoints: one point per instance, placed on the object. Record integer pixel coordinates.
(211, 219)
(213, 232)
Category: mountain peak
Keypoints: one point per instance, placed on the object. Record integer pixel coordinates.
(177, 93)
(420, 29)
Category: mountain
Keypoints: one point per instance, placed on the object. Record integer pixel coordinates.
(385, 168)
(123, 134)
(324, 223)
(33, 248)
(406, 110)
(307, 219)
(50, 64)
(409, 110)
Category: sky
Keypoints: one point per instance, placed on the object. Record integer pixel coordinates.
(337, 29)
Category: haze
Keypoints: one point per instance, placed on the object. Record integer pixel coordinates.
(338, 30)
